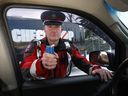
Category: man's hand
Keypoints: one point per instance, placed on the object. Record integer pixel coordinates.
(49, 61)
(105, 74)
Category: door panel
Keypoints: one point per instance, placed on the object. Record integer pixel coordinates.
(78, 85)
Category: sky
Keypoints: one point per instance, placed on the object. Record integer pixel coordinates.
(29, 13)
(25, 13)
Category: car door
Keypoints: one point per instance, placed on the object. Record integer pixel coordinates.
(88, 33)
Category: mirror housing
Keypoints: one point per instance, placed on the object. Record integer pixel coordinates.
(102, 58)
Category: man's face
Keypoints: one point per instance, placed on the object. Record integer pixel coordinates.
(53, 32)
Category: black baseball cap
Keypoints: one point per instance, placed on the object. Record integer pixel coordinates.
(52, 17)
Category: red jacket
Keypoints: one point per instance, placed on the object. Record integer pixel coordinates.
(32, 68)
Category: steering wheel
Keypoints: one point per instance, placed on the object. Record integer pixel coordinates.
(120, 74)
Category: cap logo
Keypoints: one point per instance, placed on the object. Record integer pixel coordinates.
(53, 16)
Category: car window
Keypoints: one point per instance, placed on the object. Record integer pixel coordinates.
(123, 16)
(25, 25)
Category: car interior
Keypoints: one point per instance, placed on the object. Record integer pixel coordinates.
(93, 26)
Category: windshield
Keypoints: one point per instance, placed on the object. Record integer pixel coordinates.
(120, 16)
(123, 16)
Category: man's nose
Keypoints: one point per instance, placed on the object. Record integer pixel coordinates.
(53, 30)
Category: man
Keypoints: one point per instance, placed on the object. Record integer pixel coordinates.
(38, 63)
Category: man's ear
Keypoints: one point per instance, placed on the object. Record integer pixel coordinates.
(62, 29)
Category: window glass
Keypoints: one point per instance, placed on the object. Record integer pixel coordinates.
(123, 16)
(26, 25)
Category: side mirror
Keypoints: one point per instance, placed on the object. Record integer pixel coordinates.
(101, 58)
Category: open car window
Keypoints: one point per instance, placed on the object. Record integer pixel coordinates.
(25, 25)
